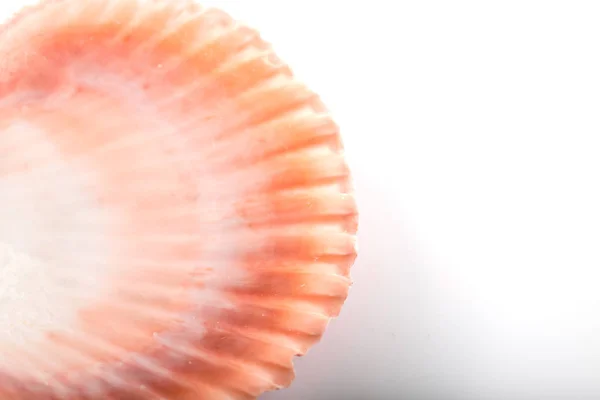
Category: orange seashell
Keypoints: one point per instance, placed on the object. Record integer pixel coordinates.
(178, 214)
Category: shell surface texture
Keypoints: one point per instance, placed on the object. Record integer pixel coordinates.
(178, 216)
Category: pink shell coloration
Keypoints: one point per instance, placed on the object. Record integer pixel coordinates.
(185, 197)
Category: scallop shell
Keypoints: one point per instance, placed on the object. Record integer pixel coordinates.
(178, 214)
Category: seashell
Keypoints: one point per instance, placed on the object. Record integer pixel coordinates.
(178, 216)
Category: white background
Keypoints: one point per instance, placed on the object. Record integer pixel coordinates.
(472, 130)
